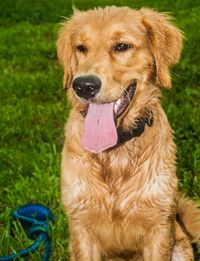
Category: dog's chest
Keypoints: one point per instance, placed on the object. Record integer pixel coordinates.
(112, 211)
(114, 197)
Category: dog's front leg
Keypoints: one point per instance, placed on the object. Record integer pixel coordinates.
(159, 244)
(81, 247)
(77, 202)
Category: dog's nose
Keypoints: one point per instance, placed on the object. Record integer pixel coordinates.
(87, 86)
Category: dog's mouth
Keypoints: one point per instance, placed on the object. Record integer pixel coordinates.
(122, 103)
(100, 130)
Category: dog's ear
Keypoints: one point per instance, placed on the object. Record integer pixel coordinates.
(65, 51)
(165, 42)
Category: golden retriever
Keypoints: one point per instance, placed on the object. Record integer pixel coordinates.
(119, 184)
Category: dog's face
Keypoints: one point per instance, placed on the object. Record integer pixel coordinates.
(108, 53)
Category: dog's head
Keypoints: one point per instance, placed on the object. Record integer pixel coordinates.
(118, 55)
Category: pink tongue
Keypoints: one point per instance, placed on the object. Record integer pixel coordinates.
(99, 128)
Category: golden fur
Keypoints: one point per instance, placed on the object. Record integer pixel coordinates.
(122, 203)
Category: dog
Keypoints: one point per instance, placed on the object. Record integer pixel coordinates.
(118, 182)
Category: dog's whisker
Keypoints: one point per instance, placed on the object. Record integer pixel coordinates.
(125, 92)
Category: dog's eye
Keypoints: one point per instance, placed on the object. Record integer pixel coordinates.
(82, 48)
(122, 47)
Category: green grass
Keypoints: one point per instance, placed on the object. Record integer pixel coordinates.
(34, 108)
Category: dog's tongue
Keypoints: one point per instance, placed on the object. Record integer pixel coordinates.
(99, 131)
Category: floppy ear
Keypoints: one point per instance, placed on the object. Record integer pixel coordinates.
(165, 42)
(65, 51)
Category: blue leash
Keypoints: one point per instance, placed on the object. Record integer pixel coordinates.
(34, 219)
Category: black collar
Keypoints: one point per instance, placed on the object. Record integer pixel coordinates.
(136, 131)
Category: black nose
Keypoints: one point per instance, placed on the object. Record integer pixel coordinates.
(87, 86)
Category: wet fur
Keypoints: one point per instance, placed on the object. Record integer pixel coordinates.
(122, 204)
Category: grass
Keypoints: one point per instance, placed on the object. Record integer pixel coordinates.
(34, 108)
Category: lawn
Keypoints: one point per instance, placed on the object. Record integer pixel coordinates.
(34, 108)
